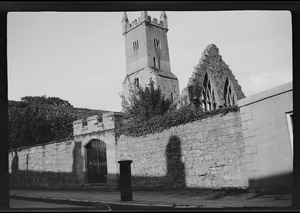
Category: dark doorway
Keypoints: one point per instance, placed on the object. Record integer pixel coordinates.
(96, 161)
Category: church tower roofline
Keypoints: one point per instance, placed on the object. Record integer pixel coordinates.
(164, 19)
(125, 17)
(125, 22)
(162, 23)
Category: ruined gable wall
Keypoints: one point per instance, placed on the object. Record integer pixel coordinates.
(211, 63)
(208, 153)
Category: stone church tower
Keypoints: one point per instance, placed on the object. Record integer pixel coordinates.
(147, 55)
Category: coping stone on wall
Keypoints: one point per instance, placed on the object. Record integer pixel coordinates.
(265, 94)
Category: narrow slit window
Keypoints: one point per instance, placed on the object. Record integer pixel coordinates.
(156, 62)
(157, 44)
(135, 45)
(136, 82)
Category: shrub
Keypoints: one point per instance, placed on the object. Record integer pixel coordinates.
(144, 103)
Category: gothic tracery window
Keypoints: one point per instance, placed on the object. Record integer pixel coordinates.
(208, 96)
(228, 94)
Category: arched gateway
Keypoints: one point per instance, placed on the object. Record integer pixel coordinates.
(96, 161)
(98, 148)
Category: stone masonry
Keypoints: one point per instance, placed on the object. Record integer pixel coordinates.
(63, 164)
(208, 153)
(51, 165)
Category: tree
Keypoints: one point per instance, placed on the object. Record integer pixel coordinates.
(30, 124)
(145, 103)
(53, 101)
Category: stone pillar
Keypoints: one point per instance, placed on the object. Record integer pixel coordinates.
(111, 120)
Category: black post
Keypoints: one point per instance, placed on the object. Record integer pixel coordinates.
(125, 180)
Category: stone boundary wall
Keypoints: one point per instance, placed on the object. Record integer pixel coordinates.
(52, 165)
(208, 153)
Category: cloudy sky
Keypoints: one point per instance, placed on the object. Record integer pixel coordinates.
(80, 56)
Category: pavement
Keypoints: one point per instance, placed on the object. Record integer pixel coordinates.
(170, 199)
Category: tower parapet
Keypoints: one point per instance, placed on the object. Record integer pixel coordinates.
(128, 26)
(125, 22)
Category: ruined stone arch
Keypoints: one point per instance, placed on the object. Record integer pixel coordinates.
(229, 94)
(208, 95)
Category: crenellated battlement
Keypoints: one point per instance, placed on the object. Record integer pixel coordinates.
(144, 18)
(108, 121)
(153, 21)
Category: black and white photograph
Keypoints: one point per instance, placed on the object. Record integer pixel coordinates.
(136, 106)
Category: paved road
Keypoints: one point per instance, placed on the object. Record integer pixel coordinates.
(194, 199)
(17, 204)
(29, 205)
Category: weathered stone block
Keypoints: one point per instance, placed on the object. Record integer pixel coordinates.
(248, 158)
(252, 166)
(208, 157)
(251, 149)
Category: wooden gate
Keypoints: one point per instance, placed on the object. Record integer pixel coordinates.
(96, 161)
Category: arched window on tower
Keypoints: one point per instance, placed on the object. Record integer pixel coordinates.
(228, 94)
(208, 96)
(157, 43)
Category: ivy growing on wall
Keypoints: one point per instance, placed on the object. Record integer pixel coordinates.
(170, 119)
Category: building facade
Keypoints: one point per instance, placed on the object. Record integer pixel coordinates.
(267, 121)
